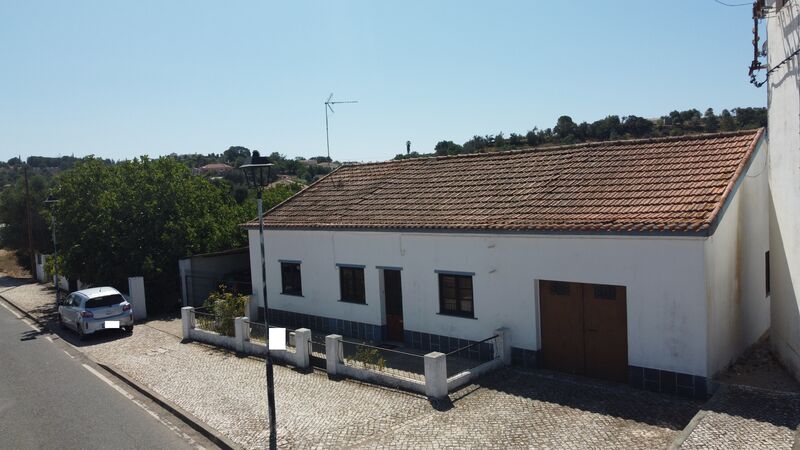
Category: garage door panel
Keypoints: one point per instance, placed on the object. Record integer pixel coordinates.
(561, 306)
(606, 338)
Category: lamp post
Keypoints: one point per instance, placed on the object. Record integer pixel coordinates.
(257, 175)
(52, 202)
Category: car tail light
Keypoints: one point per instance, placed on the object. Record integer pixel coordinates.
(126, 307)
(87, 314)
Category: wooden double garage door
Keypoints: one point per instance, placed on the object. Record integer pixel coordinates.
(584, 329)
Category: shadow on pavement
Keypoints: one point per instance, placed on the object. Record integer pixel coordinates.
(9, 282)
(781, 409)
(595, 396)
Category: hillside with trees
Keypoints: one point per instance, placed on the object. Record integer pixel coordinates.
(566, 131)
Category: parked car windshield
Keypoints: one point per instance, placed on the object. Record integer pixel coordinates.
(106, 300)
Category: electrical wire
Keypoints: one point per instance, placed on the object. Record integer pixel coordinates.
(758, 84)
(733, 4)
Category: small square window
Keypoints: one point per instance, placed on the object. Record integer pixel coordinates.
(291, 279)
(351, 284)
(455, 295)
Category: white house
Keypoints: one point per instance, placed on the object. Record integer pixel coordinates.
(642, 261)
(783, 33)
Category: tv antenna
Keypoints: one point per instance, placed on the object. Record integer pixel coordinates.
(328, 106)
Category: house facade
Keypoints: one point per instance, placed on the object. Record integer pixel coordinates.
(637, 261)
(783, 87)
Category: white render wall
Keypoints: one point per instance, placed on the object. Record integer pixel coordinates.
(739, 308)
(664, 276)
(783, 33)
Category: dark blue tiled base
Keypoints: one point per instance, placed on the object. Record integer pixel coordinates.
(359, 330)
(667, 382)
(524, 357)
(446, 344)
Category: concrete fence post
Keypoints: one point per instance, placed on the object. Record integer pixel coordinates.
(187, 316)
(302, 345)
(240, 329)
(436, 375)
(333, 353)
(502, 345)
(136, 293)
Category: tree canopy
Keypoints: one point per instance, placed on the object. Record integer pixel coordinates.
(137, 218)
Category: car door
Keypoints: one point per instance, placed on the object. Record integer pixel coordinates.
(71, 310)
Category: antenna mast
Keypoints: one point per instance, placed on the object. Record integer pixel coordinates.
(328, 106)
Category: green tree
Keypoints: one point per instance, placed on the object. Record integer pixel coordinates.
(447, 148)
(13, 216)
(711, 121)
(138, 218)
(726, 121)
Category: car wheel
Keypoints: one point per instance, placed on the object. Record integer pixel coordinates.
(129, 329)
(81, 334)
(61, 321)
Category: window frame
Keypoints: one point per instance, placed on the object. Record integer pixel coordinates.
(458, 288)
(299, 292)
(353, 271)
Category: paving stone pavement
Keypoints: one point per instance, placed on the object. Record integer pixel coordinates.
(511, 408)
(746, 417)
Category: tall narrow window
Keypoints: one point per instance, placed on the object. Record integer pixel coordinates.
(455, 295)
(351, 283)
(290, 278)
(766, 270)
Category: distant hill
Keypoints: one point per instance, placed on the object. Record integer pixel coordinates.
(566, 131)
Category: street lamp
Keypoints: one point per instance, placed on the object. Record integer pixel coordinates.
(257, 175)
(52, 202)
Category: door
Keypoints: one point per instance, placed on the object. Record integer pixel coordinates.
(561, 306)
(606, 331)
(393, 294)
(584, 329)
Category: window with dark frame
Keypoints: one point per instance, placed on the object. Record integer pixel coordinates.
(351, 283)
(291, 279)
(455, 295)
(766, 271)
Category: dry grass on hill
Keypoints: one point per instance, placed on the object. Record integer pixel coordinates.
(9, 266)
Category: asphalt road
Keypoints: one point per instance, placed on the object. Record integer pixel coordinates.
(49, 399)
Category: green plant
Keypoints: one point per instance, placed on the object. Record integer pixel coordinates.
(226, 307)
(369, 358)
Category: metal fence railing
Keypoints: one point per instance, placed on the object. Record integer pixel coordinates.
(259, 335)
(205, 319)
(391, 362)
(471, 356)
(316, 354)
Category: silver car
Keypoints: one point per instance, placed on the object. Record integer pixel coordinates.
(95, 309)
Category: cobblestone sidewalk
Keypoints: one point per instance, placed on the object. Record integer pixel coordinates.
(508, 409)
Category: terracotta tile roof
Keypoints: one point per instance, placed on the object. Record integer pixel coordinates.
(675, 185)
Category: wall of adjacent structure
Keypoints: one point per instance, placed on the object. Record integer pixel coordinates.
(783, 33)
(664, 276)
(738, 304)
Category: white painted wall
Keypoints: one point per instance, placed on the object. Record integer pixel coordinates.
(739, 308)
(665, 279)
(783, 33)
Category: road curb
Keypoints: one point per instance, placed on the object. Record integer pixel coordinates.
(698, 417)
(189, 419)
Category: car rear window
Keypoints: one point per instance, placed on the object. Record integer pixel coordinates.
(106, 300)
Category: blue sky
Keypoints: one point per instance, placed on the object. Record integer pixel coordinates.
(121, 79)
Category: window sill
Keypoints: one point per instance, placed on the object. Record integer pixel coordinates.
(352, 302)
(293, 295)
(458, 316)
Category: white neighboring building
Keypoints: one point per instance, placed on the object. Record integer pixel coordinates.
(783, 34)
(641, 261)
